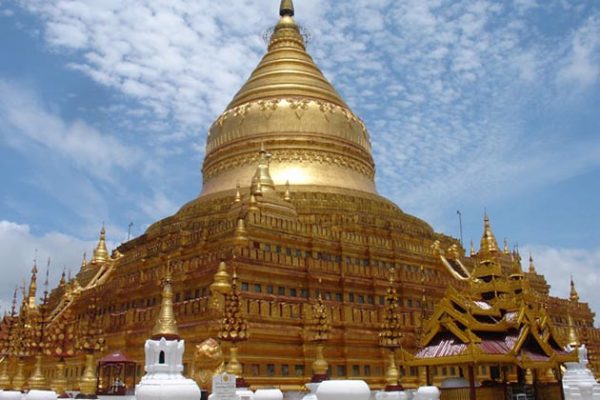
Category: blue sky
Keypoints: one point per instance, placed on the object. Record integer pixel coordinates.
(471, 105)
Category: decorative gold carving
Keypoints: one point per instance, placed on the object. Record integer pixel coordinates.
(288, 156)
(208, 362)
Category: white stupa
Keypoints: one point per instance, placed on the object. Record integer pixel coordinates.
(164, 358)
(578, 381)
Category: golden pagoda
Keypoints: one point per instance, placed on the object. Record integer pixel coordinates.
(289, 196)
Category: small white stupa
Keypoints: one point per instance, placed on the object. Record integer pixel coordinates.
(164, 356)
(578, 381)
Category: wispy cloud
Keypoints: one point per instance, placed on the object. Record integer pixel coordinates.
(558, 264)
(19, 246)
(25, 120)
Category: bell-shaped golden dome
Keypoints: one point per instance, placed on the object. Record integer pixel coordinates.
(288, 106)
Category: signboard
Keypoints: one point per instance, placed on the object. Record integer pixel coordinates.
(224, 387)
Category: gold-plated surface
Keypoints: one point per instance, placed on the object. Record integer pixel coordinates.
(4, 377)
(489, 245)
(288, 105)
(390, 335)
(392, 375)
(37, 380)
(18, 381)
(166, 325)
(208, 362)
(222, 280)
(89, 379)
(100, 252)
(234, 328)
(573, 295)
(573, 339)
(59, 382)
(234, 367)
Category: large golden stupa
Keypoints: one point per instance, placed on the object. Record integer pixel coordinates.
(289, 206)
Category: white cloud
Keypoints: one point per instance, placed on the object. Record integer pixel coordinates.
(25, 121)
(18, 247)
(583, 62)
(558, 264)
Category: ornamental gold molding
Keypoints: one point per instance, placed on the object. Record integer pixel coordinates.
(219, 135)
(322, 157)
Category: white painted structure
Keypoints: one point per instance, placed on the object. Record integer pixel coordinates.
(41, 395)
(164, 367)
(578, 381)
(347, 390)
(391, 396)
(268, 394)
(10, 395)
(312, 394)
(428, 393)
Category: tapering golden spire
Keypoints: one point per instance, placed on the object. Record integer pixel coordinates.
(32, 286)
(472, 249)
(262, 181)
(489, 245)
(63, 279)
(531, 265)
(101, 252)
(222, 280)
(516, 264)
(573, 296)
(84, 261)
(288, 103)
(166, 325)
(572, 338)
(286, 8)
(238, 195)
(506, 248)
(287, 196)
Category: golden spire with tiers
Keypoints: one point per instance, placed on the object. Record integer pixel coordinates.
(531, 265)
(289, 105)
(390, 335)
(488, 245)
(166, 325)
(573, 296)
(320, 329)
(573, 339)
(101, 252)
(32, 286)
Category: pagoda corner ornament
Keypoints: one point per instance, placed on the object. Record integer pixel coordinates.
(234, 329)
(390, 335)
(164, 357)
(320, 333)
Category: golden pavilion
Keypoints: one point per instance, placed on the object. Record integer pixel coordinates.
(290, 265)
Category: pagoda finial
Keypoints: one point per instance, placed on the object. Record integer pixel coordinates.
(488, 245)
(286, 8)
(574, 296)
(101, 253)
(238, 195)
(506, 248)
(33, 285)
(472, 249)
(166, 325)
(287, 196)
(572, 338)
(531, 265)
(262, 181)
(222, 280)
(13, 309)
